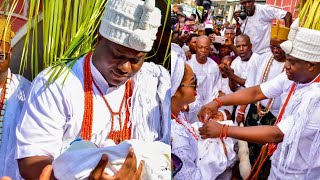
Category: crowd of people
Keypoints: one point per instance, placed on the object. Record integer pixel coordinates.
(253, 73)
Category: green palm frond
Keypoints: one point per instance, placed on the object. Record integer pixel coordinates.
(309, 14)
(69, 32)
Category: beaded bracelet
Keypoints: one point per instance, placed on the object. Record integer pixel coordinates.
(218, 101)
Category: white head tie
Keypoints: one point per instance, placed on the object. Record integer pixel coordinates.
(177, 67)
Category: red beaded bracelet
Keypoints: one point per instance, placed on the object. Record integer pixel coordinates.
(218, 101)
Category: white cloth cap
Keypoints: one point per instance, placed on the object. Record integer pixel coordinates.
(131, 23)
(302, 43)
(178, 59)
(224, 114)
(82, 157)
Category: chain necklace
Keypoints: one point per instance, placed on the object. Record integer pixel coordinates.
(261, 112)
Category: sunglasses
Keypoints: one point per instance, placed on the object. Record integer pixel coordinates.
(194, 85)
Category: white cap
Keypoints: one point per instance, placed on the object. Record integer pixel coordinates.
(302, 43)
(131, 23)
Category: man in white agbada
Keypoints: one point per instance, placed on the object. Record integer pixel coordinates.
(208, 74)
(13, 91)
(297, 154)
(108, 94)
(265, 112)
(239, 69)
(238, 72)
(270, 65)
(258, 23)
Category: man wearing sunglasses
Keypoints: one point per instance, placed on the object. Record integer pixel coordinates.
(13, 88)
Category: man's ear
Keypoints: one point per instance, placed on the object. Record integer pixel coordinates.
(313, 66)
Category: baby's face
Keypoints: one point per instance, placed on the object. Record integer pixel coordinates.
(218, 117)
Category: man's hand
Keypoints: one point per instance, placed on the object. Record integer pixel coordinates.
(208, 111)
(188, 55)
(212, 37)
(211, 129)
(47, 173)
(228, 71)
(240, 119)
(228, 41)
(128, 170)
(236, 15)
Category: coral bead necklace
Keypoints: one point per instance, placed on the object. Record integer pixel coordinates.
(3, 100)
(117, 136)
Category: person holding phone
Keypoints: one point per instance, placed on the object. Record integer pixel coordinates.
(257, 24)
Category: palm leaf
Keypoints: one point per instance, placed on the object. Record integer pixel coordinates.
(69, 32)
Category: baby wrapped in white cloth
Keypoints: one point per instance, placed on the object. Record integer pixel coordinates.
(82, 157)
(212, 158)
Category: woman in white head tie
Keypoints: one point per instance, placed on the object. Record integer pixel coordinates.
(184, 137)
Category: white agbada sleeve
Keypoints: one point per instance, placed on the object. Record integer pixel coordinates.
(270, 13)
(274, 87)
(44, 114)
(252, 74)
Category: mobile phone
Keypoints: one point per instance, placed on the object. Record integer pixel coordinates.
(219, 39)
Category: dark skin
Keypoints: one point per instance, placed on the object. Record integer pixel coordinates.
(117, 64)
(4, 61)
(250, 8)
(299, 71)
(279, 55)
(203, 49)
(230, 35)
(225, 62)
(244, 48)
(192, 46)
(184, 94)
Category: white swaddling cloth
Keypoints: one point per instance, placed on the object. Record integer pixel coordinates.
(82, 157)
(212, 160)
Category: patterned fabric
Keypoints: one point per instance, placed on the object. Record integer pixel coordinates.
(185, 147)
(253, 119)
